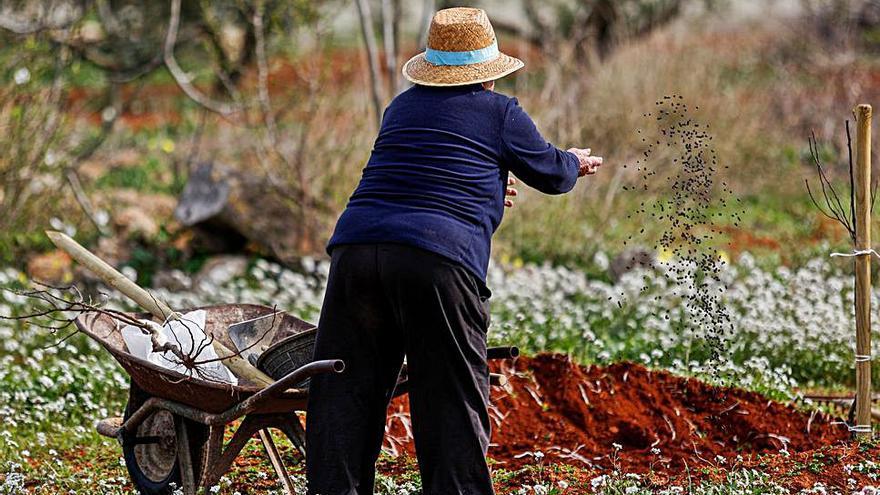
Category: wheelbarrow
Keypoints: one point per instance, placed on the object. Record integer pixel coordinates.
(173, 427)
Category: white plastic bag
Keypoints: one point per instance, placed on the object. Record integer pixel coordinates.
(188, 333)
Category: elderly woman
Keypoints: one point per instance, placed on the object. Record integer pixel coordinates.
(409, 260)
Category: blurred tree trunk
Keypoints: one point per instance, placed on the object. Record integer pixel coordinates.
(428, 8)
(366, 21)
(397, 18)
(389, 39)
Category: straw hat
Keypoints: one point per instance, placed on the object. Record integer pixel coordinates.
(462, 49)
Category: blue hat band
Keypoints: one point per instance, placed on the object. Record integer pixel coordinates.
(439, 57)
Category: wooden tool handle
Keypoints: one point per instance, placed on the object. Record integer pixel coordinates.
(111, 276)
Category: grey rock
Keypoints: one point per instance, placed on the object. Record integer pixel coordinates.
(220, 270)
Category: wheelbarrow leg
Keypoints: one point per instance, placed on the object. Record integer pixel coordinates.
(275, 457)
(213, 452)
(293, 429)
(183, 456)
(218, 468)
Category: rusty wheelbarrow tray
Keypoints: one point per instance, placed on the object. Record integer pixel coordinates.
(172, 431)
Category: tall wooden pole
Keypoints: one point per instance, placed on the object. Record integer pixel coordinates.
(862, 428)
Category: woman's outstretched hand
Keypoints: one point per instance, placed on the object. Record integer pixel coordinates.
(510, 192)
(588, 164)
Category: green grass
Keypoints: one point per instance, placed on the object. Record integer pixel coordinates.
(151, 175)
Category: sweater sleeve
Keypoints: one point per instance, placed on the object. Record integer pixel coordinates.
(531, 158)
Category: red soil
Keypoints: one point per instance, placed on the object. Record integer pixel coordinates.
(575, 415)
(742, 240)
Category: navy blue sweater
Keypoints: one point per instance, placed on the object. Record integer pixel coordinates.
(438, 172)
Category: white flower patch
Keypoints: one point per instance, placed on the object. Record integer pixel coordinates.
(790, 327)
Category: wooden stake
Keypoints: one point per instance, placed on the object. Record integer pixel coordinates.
(863, 271)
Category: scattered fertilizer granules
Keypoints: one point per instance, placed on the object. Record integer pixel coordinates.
(685, 206)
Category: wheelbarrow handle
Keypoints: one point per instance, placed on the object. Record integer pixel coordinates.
(505, 352)
(300, 374)
(306, 371)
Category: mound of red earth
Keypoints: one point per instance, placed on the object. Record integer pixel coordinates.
(622, 414)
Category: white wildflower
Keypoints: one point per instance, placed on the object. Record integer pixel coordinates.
(22, 76)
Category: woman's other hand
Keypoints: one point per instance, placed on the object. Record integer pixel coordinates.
(510, 192)
(588, 164)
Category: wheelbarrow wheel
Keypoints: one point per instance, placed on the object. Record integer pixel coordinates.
(150, 452)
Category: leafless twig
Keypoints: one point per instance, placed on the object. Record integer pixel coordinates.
(834, 208)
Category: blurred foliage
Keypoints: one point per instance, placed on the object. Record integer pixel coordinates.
(761, 88)
(596, 27)
(32, 127)
(68, 65)
(144, 177)
(845, 21)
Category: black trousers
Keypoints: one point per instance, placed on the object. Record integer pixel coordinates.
(384, 302)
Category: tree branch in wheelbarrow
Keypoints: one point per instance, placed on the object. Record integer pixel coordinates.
(61, 306)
